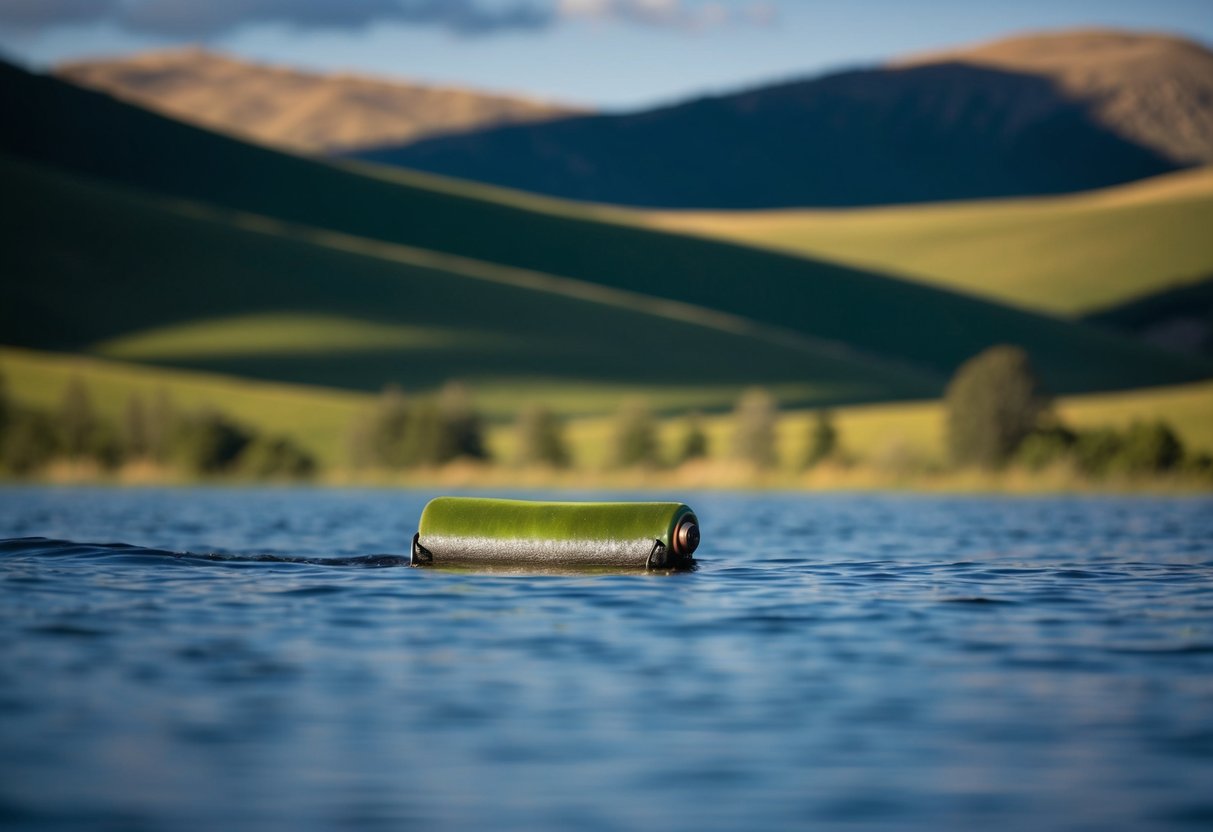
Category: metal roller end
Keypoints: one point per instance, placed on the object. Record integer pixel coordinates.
(686, 537)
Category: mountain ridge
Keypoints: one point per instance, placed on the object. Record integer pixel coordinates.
(298, 110)
(947, 128)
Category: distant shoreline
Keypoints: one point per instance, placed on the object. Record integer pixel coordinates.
(706, 476)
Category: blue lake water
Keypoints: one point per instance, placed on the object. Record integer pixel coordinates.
(854, 662)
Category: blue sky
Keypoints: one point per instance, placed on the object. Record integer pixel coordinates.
(613, 54)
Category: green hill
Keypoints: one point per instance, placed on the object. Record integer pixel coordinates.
(179, 284)
(1069, 255)
(420, 281)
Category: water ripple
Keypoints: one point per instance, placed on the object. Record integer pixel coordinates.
(837, 661)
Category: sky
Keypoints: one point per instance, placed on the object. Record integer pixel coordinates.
(606, 54)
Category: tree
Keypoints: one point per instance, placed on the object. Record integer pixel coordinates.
(424, 441)
(1096, 450)
(276, 456)
(136, 432)
(77, 420)
(210, 443)
(541, 438)
(30, 441)
(161, 426)
(6, 407)
(1046, 446)
(461, 432)
(384, 431)
(694, 443)
(754, 421)
(823, 438)
(635, 435)
(993, 402)
(1149, 448)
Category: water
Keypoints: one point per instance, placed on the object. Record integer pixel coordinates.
(836, 662)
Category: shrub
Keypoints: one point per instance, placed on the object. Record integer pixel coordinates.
(400, 433)
(541, 438)
(209, 443)
(78, 423)
(754, 428)
(5, 405)
(635, 435)
(1096, 450)
(276, 456)
(823, 438)
(1045, 446)
(460, 433)
(1149, 448)
(30, 440)
(389, 427)
(694, 444)
(994, 401)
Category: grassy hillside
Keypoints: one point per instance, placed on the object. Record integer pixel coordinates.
(137, 278)
(1152, 88)
(1068, 255)
(1179, 319)
(306, 112)
(113, 277)
(316, 417)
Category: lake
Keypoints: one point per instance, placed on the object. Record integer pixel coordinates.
(835, 662)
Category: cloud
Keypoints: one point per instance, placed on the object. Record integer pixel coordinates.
(200, 19)
(209, 18)
(32, 14)
(678, 14)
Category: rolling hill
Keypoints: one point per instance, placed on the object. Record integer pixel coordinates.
(305, 112)
(1071, 255)
(139, 278)
(139, 236)
(1035, 115)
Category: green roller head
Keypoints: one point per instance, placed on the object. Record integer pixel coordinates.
(473, 531)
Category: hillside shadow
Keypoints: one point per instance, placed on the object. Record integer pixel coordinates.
(1179, 319)
(869, 137)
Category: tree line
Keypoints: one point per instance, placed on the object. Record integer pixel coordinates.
(997, 415)
(198, 443)
(401, 432)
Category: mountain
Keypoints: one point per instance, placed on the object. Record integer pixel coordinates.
(135, 235)
(304, 112)
(1034, 115)
(1155, 90)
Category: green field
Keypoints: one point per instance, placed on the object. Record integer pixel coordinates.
(320, 418)
(1069, 255)
(121, 248)
(316, 417)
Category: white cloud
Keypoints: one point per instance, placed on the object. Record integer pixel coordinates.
(681, 14)
(200, 19)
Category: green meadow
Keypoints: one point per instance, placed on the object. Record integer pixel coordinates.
(1069, 255)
